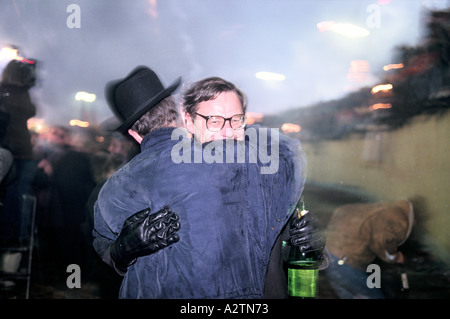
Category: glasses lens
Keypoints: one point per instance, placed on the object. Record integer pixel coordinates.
(237, 121)
(215, 123)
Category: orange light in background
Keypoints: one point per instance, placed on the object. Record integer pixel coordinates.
(393, 66)
(290, 128)
(381, 87)
(359, 71)
(359, 66)
(36, 125)
(253, 117)
(378, 106)
(79, 123)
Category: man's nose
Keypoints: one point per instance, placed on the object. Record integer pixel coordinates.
(227, 131)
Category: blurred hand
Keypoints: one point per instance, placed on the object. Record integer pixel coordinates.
(400, 258)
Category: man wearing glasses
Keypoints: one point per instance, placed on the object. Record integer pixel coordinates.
(215, 109)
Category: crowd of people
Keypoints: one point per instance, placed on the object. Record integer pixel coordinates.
(69, 172)
(62, 167)
(67, 178)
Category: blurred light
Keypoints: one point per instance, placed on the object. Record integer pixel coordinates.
(79, 123)
(270, 76)
(349, 30)
(7, 54)
(36, 125)
(253, 117)
(153, 10)
(290, 128)
(381, 87)
(359, 66)
(84, 96)
(27, 61)
(359, 71)
(393, 66)
(346, 29)
(359, 74)
(325, 26)
(378, 106)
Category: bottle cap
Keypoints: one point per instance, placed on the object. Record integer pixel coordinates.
(301, 213)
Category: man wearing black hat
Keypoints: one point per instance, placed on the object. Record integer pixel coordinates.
(141, 105)
(223, 218)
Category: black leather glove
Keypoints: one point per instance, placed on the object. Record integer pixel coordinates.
(307, 234)
(144, 234)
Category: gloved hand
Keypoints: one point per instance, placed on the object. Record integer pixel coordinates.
(307, 234)
(144, 234)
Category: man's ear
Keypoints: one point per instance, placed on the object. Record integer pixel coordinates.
(135, 135)
(189, 123)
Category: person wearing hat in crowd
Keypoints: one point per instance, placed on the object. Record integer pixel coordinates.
(189, 229)
(358, 234)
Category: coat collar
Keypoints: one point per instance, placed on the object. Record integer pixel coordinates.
(157, 138)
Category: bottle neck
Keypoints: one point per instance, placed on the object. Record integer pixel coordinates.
(296, 254)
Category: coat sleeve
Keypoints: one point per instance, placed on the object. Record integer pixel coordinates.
(388, 231)
(103, 235)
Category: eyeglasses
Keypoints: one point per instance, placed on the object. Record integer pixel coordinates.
(215, 123)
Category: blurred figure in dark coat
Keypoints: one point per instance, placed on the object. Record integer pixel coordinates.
(18, 78)
(64, 183)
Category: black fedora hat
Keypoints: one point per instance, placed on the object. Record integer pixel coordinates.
(131, 97)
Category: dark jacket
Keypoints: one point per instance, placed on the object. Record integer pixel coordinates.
(20, 108)
(230, 216)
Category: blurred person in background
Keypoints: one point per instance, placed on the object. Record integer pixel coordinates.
(123, 145)
(121, 149)
(63, 183)
(103, 164)
(6, 157)
(18, 78)
(6, 160)
(358, 234)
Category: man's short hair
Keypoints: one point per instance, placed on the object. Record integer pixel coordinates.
(208, 89)
(164, 114)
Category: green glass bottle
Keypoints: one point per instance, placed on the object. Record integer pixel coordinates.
(303, 268)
